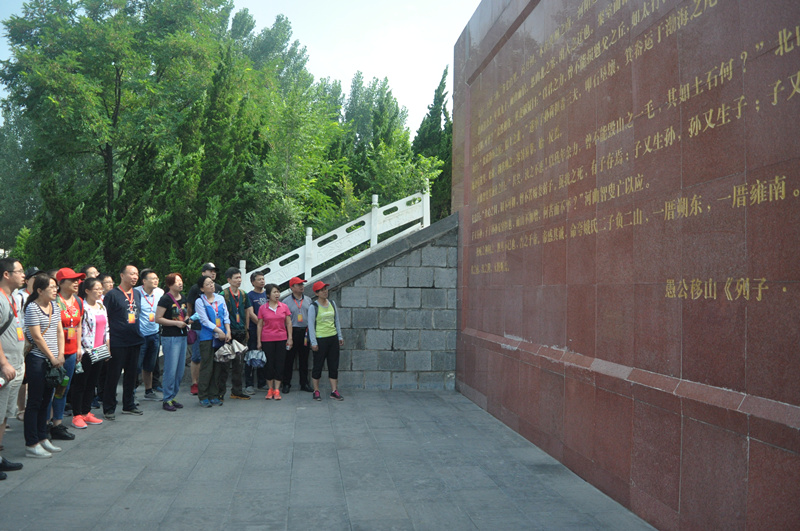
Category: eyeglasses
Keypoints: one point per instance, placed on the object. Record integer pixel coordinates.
(19, 271)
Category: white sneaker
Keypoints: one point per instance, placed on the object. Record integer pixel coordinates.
(50, 447)
(248, 391)
(37, 452)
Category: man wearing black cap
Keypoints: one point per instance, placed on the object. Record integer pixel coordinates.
(211, 271)
(298, 304)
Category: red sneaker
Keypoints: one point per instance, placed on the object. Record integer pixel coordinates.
(78, 422)
(194, 389)
(89, 418)
(269, 394)
(276, 395)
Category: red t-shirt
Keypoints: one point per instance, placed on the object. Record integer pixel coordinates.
(274, 322)
(71, 321)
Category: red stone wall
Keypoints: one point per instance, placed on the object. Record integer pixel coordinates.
(627, 175)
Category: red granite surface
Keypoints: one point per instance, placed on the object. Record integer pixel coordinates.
(630, 172)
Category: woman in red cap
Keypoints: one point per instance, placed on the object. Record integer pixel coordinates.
(325, 335)
(71, 307)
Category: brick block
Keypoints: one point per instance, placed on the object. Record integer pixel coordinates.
(394, 277)
(355, 338)
(452, 299)
(419, 319)
(434, 256)
(420, 277)
(392, 319)
(377, 380)
(452, 257)
(404, 380)
(410, 259)
(354, 297)
(345, 315)
(435, 339)
(407, 298)
(379, 339)
(351, 380)
(364, 360)
(444, 320)
(448, 240)
(406, 340)
(445, 277)
(369, 280)
(418, 360)
(345, 359)
(450, 381)
(443, 360)
(451, 340)
(364, 318)
(433, 381)
(434, 298)
(380, 297)
(391, 360)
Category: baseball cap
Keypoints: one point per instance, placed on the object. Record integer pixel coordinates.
(31, 271)
(318, 285)
(296, 280)
(208, 266)
(66, 273)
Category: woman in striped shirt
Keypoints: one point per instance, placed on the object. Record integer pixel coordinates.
(46, 334)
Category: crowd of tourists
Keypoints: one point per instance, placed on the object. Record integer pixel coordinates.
(68, 337)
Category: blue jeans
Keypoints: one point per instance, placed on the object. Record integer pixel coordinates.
(196, 351)
(148, 356)
(174, 364)
(59, 403)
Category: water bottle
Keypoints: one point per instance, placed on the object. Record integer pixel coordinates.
(62, 387)
(2, 382)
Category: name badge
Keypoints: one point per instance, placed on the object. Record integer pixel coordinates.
(131, 318)
(300, 318)
(20, 335)
(70, 333)
(238, 318)
(152, 317)
(219, 322)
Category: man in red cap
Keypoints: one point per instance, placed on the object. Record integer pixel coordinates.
(298, 303)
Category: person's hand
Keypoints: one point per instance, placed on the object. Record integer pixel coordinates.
(289, 343)
(181, 324)
(228, 337)
(9, 373)
(258, 344)
(78, 356)
(57, 361)
(341, 342)
(315, 348)
(219, 333)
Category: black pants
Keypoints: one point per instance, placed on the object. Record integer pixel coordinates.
(328, 349)
(275, 351)
(83, 385)
(37, 408)
(300, 351)
(126, 358)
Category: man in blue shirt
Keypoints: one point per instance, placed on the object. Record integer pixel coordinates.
(150, 294)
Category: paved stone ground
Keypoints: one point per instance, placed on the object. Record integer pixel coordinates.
(378, 460)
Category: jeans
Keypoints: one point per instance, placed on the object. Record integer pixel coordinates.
(126, 358)
(148, 355)
(39, 397)
(174, 363)
(195, 351)
(59, 403)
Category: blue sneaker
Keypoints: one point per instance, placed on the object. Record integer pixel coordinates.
(215, 402)
(205, 403)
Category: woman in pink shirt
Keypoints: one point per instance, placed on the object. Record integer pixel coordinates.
(94, 335)
(274, 337)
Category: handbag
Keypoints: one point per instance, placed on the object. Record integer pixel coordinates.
(191, 336)
(99, 354)
(54, 375)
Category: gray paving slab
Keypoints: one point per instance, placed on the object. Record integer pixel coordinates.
(379, 460)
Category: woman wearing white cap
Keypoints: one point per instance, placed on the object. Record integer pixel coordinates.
(325, 335)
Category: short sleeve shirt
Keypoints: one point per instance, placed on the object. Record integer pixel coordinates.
(237, 307)
(257, 300)
(48, 326)
(13, 344)
(274, 322)
(174, 312)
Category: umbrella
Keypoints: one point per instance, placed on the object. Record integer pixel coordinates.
(255, 359)
(224, 353)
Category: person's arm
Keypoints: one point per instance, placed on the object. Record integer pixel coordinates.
(336, 322)
(289, 340)
(6, 369)
(61, 341)
(87, 332)
(259, 328)
(79, 337)
(226, 320)
(163, 321)
(312, 335)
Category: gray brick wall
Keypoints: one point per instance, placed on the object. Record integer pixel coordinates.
(399, 314)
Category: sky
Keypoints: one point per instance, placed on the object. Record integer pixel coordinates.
(410, 42)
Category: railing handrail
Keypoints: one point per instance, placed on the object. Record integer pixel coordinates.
(301, 261)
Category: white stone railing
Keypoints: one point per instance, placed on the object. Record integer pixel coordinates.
(368, 228)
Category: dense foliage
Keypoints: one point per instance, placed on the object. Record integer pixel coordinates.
(168, 133)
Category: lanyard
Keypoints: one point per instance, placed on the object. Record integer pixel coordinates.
(235, 299)
(215, 303)
(129, 299)
(71, 310)
(299, 306)
(12, 304)
(151, 304)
